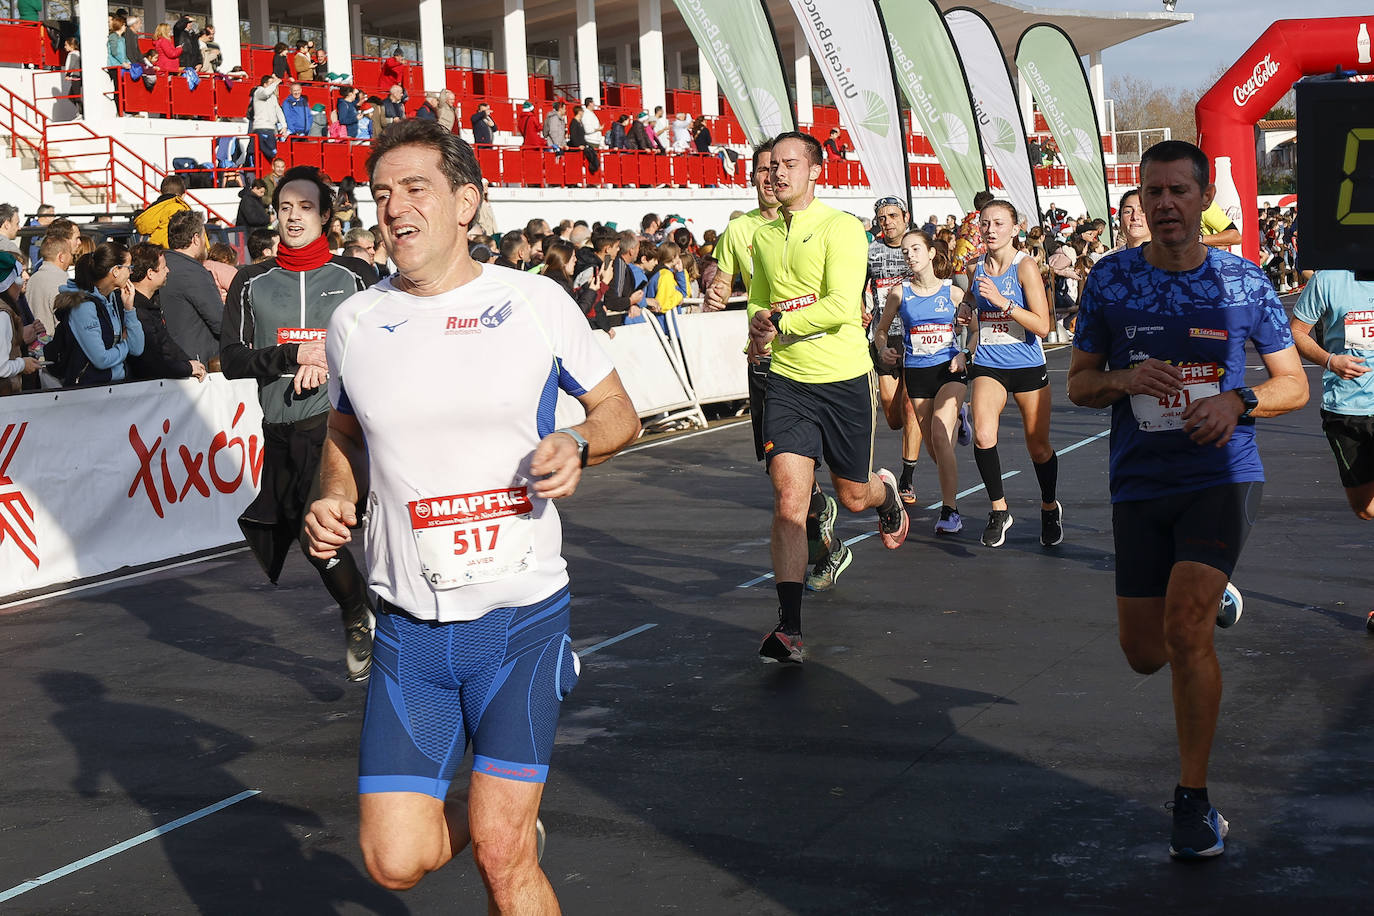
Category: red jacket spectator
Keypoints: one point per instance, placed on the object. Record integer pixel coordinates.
(167, 55)
(393, 71)
(531, 128)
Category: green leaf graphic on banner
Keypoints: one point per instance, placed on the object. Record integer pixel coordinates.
(768, 111)
(1083, 145)
(951, 132)
(876, 116)
(1003, 135)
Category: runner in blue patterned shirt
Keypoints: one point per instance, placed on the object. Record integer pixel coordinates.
(1161, 340)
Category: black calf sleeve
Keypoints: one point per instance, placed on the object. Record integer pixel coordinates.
(990, 469)
(1047, 472)
(342, 580)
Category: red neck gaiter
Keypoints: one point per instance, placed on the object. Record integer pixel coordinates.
(308, 257)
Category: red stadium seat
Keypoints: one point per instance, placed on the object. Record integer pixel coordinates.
(137, 97)
(336, 158)
(359, 153)
(612, 167)
(489, 161)
(645, 169)
(191, 103)
(696, 168)
(574, 169)
(679, 171)
(306, 151)
(663, 169)
(367, 71)
(532, 167)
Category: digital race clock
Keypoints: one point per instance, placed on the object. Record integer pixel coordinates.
(1335, 222)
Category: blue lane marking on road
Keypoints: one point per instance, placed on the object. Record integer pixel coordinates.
(583, 653)
(26, 886)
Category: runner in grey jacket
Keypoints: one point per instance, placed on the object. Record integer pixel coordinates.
(275, 316)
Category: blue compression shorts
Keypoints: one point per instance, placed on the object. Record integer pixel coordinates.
(496, 682)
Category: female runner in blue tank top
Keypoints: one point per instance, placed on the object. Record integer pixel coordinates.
(934, 367)
(1012, 315)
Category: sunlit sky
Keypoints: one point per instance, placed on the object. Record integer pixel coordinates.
(1185, 56)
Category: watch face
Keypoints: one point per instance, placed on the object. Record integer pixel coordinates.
(1335, 224)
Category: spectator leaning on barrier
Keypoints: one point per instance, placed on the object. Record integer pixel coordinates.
(625, 291)
(268, 121)
(429, 108)
(161, 357)
(99, 313)
(191, 304)
(210, 54)
(483, 126)
(132, 24)
(153, 221)
(116, 49)
(296, 109)
(168, 51)
(591, 124)
(556, 128)
(529, 128)
(347, 110)
(618, 138)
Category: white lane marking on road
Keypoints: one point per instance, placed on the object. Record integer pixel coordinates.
(583, 653)
(26, 886)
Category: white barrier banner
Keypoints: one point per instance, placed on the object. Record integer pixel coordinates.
(95, 479)
(713, 344)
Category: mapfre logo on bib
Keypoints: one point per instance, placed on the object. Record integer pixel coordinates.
(469, 507)
(299, 335)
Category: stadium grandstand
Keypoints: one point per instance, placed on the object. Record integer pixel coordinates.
(84, 142)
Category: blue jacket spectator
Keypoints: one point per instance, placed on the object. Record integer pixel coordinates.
(482, 125)
(296, 107)
(104, 324)
(347, 108)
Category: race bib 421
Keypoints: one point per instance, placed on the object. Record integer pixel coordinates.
(1154, 414)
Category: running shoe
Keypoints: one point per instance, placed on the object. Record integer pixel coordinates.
(1199, 829)
(950, 521)
(539, 838)
(1231, 606)
(823, 577)
(1369, 622)
(892, 525)
(999, 520)
(1052, 526)
(965, 426)
(358, 644)
(908, 494)
(820, 532)
(782, 647)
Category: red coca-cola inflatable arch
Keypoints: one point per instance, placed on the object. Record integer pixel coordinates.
(1287, 51)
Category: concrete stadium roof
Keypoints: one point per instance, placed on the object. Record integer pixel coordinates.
(618, 21)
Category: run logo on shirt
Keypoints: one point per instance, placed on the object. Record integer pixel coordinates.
(299, 335)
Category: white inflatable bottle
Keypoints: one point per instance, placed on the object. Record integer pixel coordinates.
(1228, 198)
(1362, 43)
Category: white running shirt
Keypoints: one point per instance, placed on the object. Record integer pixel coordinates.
(453, 393)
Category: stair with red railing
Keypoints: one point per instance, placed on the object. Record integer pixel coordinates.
(109, 166)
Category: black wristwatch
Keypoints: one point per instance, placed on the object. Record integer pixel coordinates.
(1249, 399)
(776, 318)
(579, 439)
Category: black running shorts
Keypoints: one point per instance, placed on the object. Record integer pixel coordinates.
(830, 420)
(1016, 381)
(1204, 526)
(926, 382)
(1352, 441)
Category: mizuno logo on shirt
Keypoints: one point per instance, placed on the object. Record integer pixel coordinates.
(807, 239)
(392, 327)
(332, 292)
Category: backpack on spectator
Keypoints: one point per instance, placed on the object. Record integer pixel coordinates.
(69, 362)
